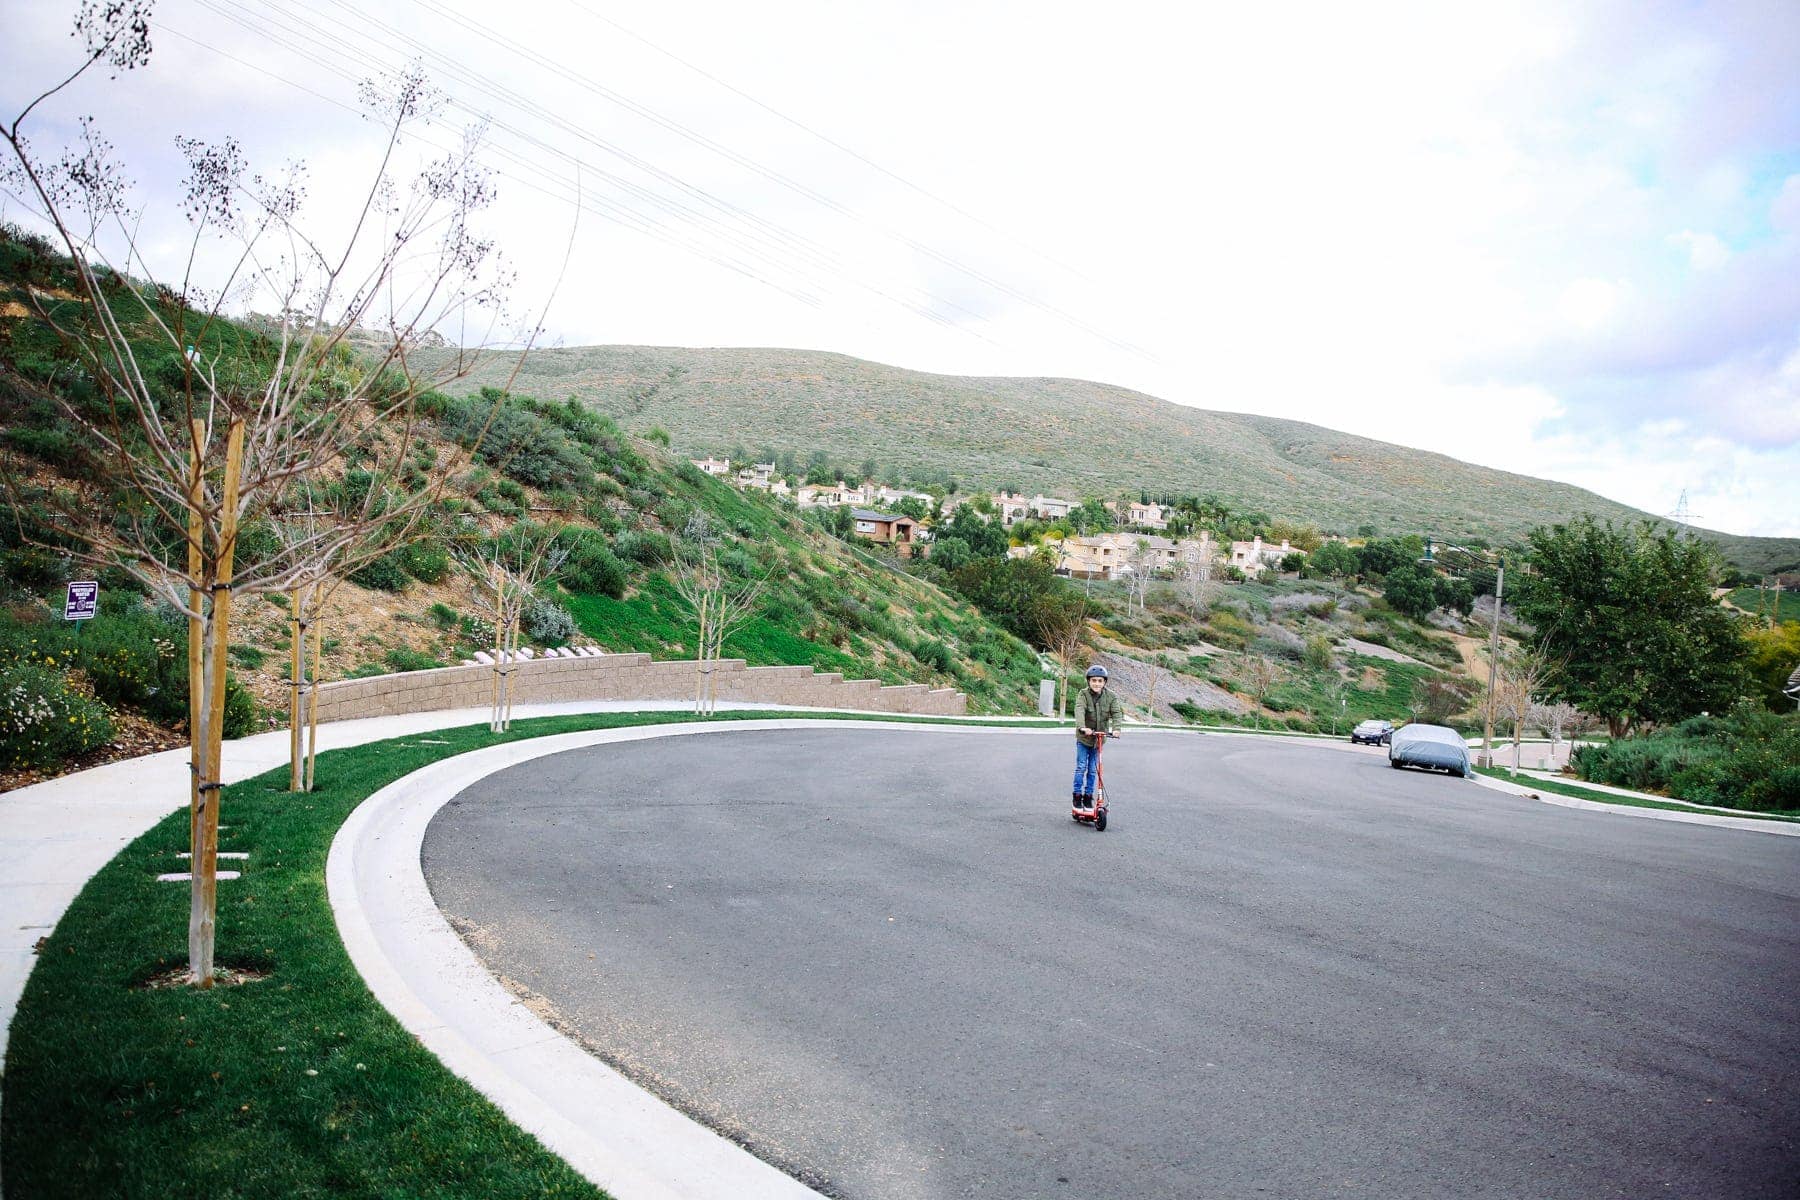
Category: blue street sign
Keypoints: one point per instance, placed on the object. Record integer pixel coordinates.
(83, 600)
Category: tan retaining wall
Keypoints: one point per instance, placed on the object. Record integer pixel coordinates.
(624, 677)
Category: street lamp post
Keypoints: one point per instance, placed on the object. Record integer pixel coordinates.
(1486, 758)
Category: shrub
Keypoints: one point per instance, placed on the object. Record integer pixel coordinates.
(426, 560)
(405, 658)
(1318, 652)
(935, 655)
(593, 568)
(1749, 759)
(546, 622)
(248, 657)
(441, 615)
(645, 546)
(951, 553)
(384, 574)
(42, 722)
(240, 710)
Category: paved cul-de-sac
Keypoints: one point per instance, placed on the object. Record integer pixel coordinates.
(887, 961)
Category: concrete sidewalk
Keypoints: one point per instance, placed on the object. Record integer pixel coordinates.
(55, 835)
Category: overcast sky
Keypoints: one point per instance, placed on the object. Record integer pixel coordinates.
(1561, 239)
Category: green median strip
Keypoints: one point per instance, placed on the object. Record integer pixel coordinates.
(1559, 788)
(294, 1083)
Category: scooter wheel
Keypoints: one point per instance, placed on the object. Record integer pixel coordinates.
(1100, 821)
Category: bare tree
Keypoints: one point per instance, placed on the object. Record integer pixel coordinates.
(1337, 691)
(1141, 563)
(1157, 670)
(1521, 676)
(199, 441)
(507, 574)
(720, 602)
(1063, 631)
(1194, 573)
(1258, 676)
(1554, 720)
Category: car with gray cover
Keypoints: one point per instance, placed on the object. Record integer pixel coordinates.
(1436, 746)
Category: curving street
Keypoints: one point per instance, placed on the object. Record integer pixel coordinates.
(887, 961)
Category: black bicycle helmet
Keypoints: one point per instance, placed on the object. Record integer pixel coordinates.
(1096, 672)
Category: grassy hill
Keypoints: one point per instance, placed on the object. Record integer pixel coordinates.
(1062, 436)
(827, 603)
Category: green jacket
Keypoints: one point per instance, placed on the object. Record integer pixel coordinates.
(1096, 712)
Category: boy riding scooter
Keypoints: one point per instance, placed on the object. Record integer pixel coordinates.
(1097, 714)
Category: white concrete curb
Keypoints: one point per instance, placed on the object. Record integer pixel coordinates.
(617, 1135)
(1546, 796)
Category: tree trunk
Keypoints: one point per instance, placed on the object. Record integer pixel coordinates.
(499, 652)
(196, 629)
(204, 849)
(312, 699)
(512, 638)
(296, 680)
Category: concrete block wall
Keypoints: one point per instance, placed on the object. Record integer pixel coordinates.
(625, 677)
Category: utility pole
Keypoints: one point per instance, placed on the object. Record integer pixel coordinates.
(1487, 735)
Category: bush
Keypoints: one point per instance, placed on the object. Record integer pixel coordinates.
(240, 709)
(442, 615)
(1318, 652)
(645, 546)
(1749, 759)
(404, 658)
(592, 568)
(384, 574)
(951, 553)
(935, 655)
(426, 560)
(42, 722)
(548, 623)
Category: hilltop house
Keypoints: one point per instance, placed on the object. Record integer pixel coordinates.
(888, 495)
(830, 495)
(719, 467)
(1050, 508)
(1254, 556)
(1011, 507)
(1109, 555)
(1149, 516)
(890, 529)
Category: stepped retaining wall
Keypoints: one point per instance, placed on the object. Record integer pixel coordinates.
(624, 677)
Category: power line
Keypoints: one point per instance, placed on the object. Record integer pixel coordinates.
(273, 31)
(607, 210)
(825, 138)
(650, 114)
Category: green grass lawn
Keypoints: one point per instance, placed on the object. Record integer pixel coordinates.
(299, 1084)
(1557, 787)
(1759, 602)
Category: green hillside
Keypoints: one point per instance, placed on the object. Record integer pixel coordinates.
(1059, 435)
(621, 500)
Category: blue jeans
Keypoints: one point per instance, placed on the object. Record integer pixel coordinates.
(1086, 759)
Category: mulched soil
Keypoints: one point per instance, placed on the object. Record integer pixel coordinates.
(132, 736)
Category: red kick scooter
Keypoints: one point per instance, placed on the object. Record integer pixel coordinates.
(1096, 816)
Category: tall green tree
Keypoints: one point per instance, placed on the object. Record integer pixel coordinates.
(1629, 617)
(1411, 589)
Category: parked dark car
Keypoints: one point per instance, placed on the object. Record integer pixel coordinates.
(1435, 746)
(1372, 733)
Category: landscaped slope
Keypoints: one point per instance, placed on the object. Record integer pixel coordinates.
(624, 501)
(1060, 436)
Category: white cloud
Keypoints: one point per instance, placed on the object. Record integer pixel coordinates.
(1431, 211)
(1705, 250)
(1589, 304)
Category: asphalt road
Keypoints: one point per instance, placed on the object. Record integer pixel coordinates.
(889, 962)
